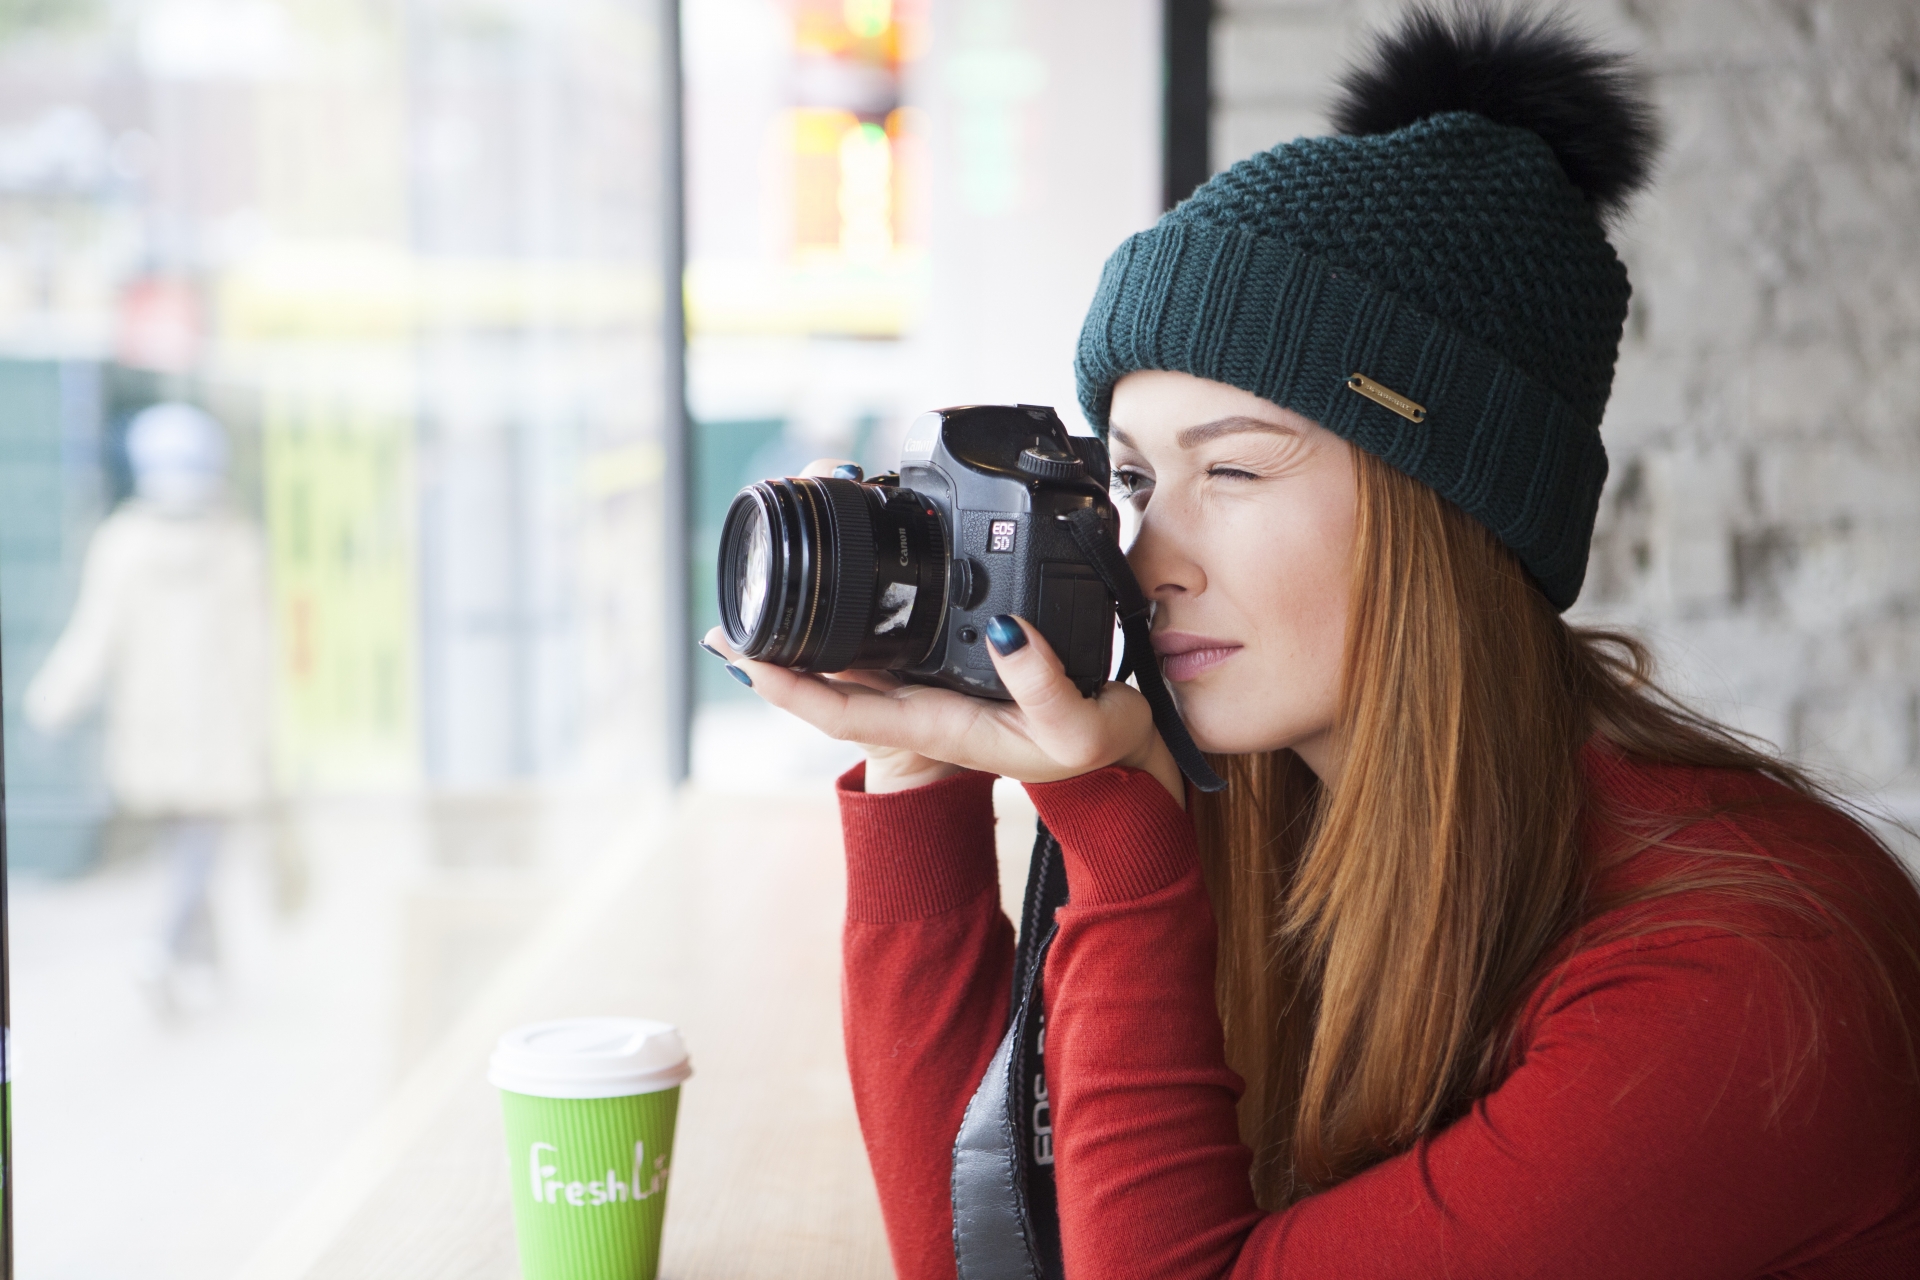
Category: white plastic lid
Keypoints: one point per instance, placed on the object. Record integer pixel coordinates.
(589, 1058)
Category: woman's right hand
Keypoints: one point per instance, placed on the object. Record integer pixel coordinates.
(892, 770)
(888, 768)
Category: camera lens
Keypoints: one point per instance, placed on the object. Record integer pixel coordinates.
(826, 574)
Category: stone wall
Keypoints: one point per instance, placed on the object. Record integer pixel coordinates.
(1761, 524)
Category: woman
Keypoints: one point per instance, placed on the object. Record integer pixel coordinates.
(1490, 961)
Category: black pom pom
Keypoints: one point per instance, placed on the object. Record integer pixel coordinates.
(1536, 71)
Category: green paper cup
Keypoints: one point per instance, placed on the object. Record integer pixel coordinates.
(590, 1105)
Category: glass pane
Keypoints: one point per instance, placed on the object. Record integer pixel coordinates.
(331, 471)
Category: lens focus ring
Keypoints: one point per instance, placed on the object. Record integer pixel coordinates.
(851, 555)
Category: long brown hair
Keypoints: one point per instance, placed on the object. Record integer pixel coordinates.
(1378, 934)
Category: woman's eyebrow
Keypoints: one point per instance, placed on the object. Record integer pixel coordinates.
(1191, 436)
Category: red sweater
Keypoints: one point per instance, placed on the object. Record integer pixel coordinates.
(1631, 1136)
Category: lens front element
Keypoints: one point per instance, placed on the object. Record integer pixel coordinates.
(802, 586)
(755, 568)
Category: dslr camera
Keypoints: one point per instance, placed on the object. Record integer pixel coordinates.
(901, 572)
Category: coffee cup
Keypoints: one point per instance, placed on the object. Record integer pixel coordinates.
(589, 1106)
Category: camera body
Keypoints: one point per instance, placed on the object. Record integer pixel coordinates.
(1000, 477)
(901, 573)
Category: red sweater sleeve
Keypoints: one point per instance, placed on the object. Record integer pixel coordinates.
(928, 957)
(1634, 1137)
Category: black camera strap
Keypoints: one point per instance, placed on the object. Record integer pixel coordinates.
(1006, 1221)
(1136, 617)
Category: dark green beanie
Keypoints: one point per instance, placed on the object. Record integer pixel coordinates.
(1440, 294)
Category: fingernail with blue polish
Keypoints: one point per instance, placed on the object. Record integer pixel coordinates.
(715, 652)
(1005, 634)
(740, 675)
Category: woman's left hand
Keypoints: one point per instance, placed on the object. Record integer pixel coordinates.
(1048, 732)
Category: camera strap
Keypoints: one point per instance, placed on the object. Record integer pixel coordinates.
(1006, 1221)
(1136, 618)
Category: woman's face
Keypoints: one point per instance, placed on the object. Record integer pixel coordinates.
(1243, 524)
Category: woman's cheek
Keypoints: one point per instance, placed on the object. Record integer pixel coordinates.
(1251, 704)
(1290, 586)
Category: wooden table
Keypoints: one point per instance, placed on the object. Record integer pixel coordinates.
(724, 919)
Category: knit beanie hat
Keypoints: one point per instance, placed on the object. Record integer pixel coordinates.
(1434, 285)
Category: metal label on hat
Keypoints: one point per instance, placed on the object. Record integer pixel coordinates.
(1383, 396)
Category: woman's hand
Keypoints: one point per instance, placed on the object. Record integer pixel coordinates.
(917, 734)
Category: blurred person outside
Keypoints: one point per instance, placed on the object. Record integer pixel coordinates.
(170, 628)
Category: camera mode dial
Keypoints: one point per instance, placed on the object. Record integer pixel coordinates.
(1043, 462)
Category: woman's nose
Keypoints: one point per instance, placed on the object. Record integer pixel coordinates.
(1162, 566)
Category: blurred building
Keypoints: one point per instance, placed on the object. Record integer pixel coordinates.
(53, 492)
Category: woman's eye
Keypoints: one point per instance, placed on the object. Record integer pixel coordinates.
(1131, 484)
(1231, 473)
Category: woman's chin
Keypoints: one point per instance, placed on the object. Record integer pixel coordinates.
(1222, 723)
(1214, 728)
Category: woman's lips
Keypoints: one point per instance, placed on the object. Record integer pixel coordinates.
(1184, 656)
